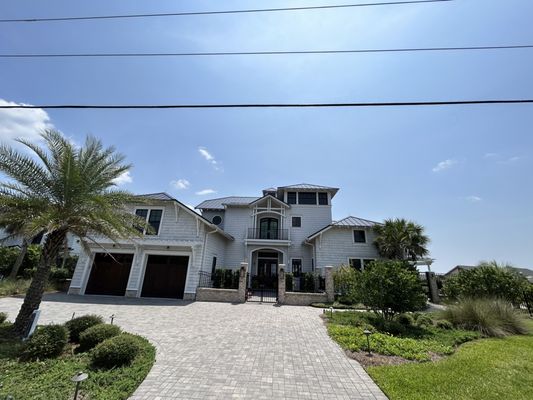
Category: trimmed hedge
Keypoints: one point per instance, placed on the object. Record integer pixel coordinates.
(77, 325)
(97, 334)
(47, 342)
(116, 352)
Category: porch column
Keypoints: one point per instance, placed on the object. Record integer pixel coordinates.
(330, 287)
(281, 283)
(242, 281)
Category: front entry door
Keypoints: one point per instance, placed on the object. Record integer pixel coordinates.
(267, 273)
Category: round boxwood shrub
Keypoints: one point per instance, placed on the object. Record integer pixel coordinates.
(116, 352)
(97, 334)
(423, 321)
(47, 342)
(444, 324)
(405, 319)
(77, 325)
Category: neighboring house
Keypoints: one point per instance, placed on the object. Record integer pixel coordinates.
(7, 240)
(289, 225)
(527, 273)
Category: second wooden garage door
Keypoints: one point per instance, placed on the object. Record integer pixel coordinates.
(165, 276)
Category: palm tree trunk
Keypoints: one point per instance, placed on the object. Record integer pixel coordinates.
(20, 259)
(34, 295)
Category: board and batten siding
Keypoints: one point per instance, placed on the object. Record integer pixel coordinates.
(336, 245)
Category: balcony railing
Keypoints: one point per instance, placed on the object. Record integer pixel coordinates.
(268, 234)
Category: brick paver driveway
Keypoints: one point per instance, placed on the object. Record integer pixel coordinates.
(225, 351)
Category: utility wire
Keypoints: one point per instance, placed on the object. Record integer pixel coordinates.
(182, 14)
(270, 105)
(256, 53)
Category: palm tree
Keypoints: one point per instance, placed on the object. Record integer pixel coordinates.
(399, 239)
(62, 189)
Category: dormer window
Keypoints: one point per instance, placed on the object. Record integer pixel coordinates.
(153, 217)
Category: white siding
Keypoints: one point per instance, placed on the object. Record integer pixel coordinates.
(337, 245)
(238, 219)
(314, 218)
(215, 247)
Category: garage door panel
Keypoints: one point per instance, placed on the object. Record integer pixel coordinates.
(109, 274)
(165, 276)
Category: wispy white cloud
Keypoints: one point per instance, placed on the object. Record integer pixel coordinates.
(123, 179)
(206, 154)
(491, 155)
(446, 164)
(22, 123)
(181, 184)
(473, 199)
(205, 192)
(510, 160)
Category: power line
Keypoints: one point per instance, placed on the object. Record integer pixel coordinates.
(182, 14)
(270, 105)
(255, 53)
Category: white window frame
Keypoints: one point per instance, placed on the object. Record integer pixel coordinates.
(301, 219)
(301, 264)
(148, 216)
(353, 237)
(362, 261)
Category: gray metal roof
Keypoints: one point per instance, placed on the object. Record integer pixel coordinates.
(157, 196)
(355, 221)
(218, 204)
(308, 186)
(348, 222)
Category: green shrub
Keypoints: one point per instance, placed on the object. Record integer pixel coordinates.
(77, 325)
(405, 319)
(116, 351)
(353, 339)
(488, 280)
(97, 334)
(346, 282)
(8, 256)
(444, 324)
(490, 317)
(391, 287)
(289, 282)
(3, 317)
(424, 320)
(60, 274)
(309, 282)
(47, 342)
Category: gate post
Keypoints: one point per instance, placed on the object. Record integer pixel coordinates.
(281, 283)
(330, 287)
(243, 273)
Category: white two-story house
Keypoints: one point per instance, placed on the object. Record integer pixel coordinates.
(289, 225)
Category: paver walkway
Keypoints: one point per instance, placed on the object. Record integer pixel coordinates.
(225, 351)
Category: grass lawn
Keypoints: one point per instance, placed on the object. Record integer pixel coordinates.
(13, 287)
(488, 369)
(50, 379)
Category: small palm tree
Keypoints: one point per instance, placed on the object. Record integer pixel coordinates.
(62, 189)
(399, 239)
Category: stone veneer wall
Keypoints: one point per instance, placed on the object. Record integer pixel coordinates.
(304, 299)
(221, 295)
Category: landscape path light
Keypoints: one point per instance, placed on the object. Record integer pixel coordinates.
(367, 334)
(78, 379)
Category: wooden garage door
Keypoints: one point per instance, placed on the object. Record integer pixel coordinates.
(165, 276)
(109, 274)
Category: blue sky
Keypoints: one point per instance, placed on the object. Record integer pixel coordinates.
(465, 173)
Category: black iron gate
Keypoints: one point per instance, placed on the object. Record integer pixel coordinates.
(261, 293)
